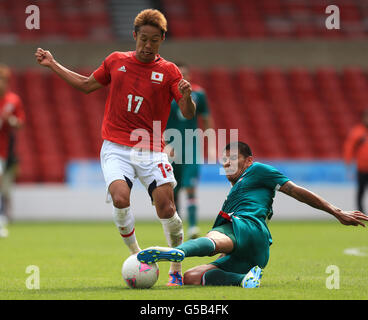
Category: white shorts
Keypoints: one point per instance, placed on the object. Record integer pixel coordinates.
(119, 162)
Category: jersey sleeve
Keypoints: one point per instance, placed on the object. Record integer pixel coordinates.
(176, 76)
(271, 177)
(19, 110)
(14, 106)
(102, 74)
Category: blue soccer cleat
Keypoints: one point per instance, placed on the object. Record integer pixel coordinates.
(253, 278)
(156, 254)
(175, 280)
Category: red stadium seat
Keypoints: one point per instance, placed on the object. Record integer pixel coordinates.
(209, 19)
(282, 114)
(58, 20)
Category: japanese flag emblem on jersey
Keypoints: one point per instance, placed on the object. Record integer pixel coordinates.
(157, 76)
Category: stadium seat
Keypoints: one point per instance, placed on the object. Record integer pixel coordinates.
(277, 19)
(208, 19)
(59, 20)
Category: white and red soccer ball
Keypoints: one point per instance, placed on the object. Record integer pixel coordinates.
(139, 275)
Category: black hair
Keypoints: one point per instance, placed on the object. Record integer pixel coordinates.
(243, 148)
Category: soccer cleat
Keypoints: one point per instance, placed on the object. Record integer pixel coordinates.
(253, 278)
(175, 279)
(155, 254)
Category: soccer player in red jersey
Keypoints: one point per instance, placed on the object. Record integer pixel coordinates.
(356, 146)
(142, 86)
(11, 118)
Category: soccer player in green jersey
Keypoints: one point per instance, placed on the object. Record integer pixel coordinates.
(240, 232)
(187, 172)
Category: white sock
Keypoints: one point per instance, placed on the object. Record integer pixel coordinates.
(3, 220)
(173, 229)
(124, 221)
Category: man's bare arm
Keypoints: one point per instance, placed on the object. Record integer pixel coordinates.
(186, 104)
(78, 81)
(303, 195)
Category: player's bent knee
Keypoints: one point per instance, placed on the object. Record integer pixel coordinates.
(224, 244)
(120, 194)
(163, 198)
(120, 201)
(192, 277)
(166, 210)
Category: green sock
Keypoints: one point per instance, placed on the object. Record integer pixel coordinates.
(192, 215)
(192, 210)
(200, 247)
(218, 277)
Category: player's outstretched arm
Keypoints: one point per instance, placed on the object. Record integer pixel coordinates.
(78, 81)
(186, 104)
(352, 218)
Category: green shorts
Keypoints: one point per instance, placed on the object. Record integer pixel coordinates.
(186, 175)
(251, 247)
(226, 228)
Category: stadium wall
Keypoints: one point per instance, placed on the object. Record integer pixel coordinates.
(83, 196)
(63, 203)
(283, 53)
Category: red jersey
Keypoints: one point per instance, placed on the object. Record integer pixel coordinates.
(140, 94)
(10, 103)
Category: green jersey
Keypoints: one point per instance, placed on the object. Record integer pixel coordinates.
(177, 121)
(251, 197)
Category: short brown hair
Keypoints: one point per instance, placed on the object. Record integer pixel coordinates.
(152, 17)
(243, 148)
(4, 72)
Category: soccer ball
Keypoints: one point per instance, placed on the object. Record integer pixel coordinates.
(139, 275)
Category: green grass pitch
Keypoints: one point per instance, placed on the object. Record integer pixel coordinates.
(83, 261)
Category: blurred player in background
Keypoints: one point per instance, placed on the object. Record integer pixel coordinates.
(11, 119)
(187, 174)
(9, 175)
(240, 232)
(142, 86)
(356, 147)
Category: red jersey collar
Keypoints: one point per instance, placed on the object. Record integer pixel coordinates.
(157, 58)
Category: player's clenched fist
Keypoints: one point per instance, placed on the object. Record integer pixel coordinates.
(44, 58)
(184, 87)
